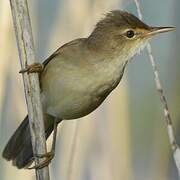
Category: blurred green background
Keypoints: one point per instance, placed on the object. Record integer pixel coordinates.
(126, 137)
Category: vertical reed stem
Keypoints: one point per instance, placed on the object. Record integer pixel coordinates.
(26, 51)
(168, 119)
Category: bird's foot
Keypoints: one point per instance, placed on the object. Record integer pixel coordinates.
(48, 157)
(33, 68)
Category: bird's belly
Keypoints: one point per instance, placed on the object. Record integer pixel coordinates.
(75, 109)
(74, 103)
(74, 94)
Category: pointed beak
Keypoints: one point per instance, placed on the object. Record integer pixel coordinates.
(157, 30)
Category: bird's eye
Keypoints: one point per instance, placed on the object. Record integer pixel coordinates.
(130, 34)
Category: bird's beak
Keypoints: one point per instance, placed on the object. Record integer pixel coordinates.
(156, 30)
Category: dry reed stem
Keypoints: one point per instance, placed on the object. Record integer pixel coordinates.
(168, 119)
(23, 32)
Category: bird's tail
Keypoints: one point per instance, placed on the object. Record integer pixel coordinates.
(19, 148)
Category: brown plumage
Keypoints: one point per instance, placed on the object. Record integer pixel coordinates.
(81, 74)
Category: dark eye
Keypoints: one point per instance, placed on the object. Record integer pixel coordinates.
(130, 34)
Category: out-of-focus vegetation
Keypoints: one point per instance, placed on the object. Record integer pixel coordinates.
(126, 137)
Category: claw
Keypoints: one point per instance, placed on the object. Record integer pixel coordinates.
(33, 68)
(49, 156)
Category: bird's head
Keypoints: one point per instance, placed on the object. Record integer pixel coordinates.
(123, 33)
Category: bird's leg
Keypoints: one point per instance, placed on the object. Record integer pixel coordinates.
(49, 155)
(33, 68)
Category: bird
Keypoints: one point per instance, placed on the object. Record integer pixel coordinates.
(78, 76)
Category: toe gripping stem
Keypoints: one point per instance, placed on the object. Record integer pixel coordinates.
(48, 156)
(33, 68)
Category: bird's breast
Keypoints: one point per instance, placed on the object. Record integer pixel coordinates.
(74, 93)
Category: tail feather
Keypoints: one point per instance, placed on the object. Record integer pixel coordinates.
(19, 148)
(16, 142)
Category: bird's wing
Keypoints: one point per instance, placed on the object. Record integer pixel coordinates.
(59, 49)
